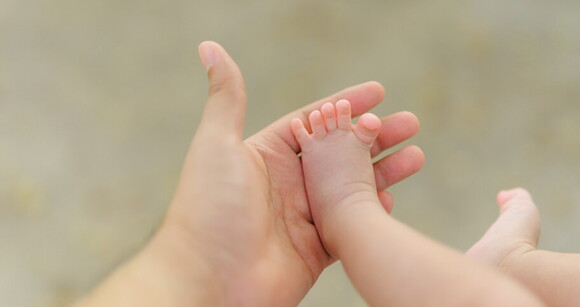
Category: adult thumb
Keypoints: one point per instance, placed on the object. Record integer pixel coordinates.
(226, 104)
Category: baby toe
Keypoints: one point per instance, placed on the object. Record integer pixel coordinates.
(367, 129)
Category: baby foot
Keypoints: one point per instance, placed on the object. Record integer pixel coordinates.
(336, 160)
(515, 232)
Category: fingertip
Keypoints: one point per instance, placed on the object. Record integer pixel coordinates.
(223, 73)
(506, 195)
(411, 118)
(398, 166)
(207, 53)
(377, 88)
(415, 157)
(209, 43)
(227, 96)
(386, 200)
(418, 153)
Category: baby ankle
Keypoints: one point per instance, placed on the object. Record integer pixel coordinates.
(516, 257)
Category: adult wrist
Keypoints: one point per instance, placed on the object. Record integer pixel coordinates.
(164, 273)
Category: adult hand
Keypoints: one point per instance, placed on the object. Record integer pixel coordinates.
(239, 230)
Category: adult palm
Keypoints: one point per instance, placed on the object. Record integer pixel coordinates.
(241, 206)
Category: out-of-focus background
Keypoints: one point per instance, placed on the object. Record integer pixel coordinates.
(99, 100)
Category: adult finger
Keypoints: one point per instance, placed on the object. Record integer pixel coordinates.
(226, 104)
(386, 200)
(395, 129)
(398, 166)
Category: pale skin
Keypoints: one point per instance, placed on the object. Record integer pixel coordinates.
(511, 244)
(389, 263)
(239, 230)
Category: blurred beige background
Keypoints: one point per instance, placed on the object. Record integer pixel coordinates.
(99, 99)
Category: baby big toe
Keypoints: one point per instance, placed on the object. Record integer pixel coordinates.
(367, 129)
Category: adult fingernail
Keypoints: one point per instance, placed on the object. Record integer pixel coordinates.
(207, 54)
